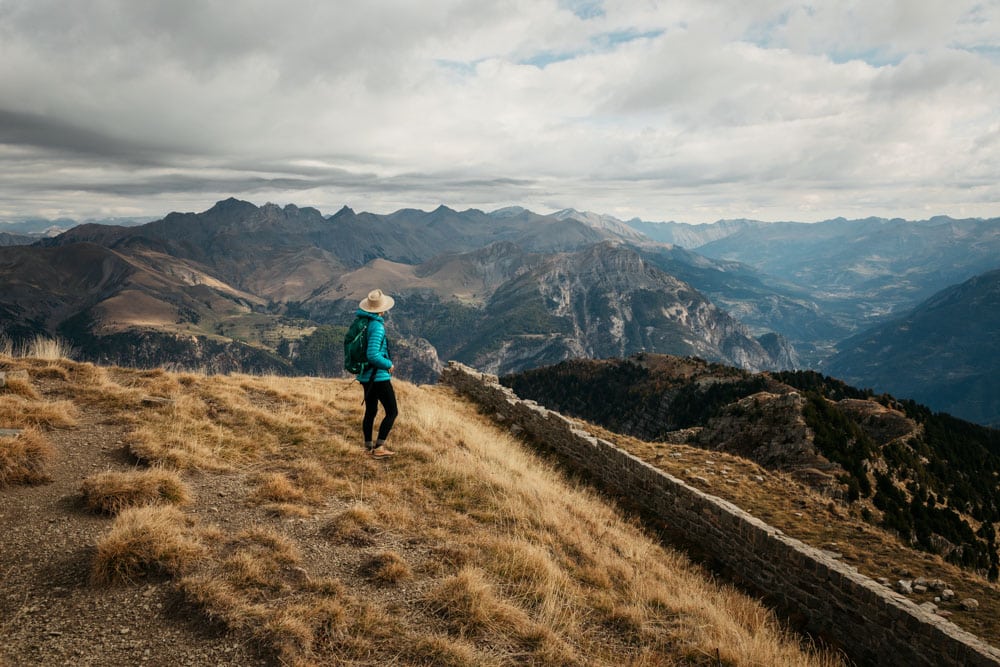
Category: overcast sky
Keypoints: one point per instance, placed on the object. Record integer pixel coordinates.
(688, 110)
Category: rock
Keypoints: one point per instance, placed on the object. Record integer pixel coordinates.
(919, 588)
(937, 585)
(904, 586)
(929, 607)
(920, 581)
(969, 604)
(884, 581)
(156, 401)
(947, 595)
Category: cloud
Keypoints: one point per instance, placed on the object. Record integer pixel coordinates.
(684, 110)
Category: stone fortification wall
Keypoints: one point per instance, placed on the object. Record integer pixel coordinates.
(871, 623)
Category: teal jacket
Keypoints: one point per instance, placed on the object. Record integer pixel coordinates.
(378, 349)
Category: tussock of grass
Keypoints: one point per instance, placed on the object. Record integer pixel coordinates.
(468, 604)
(24, 458)
(251, 586)
(146, 540)
(387, 567)
(19, 387)
(277, 487)
(110, 492)
(51, 372)
(304, 482)
(444, 651)
(19, 412)
(472, 609)
(355, 525)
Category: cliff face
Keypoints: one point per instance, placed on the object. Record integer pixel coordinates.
(607, 301)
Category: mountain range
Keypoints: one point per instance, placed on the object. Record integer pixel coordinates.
(943, 352)
(246, 287)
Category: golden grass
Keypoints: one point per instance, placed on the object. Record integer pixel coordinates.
(24, 458)
(110, 492)
(39, 347)
(146, 540)
(217, 422)
(387, 567)
(20, 412)
(19, 386)
(466, 549)
(303, 482)
(355, 525)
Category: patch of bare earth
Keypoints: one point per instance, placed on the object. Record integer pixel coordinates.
(50, 613)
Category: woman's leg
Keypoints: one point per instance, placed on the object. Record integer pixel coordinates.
(371, 407)
(387, 396)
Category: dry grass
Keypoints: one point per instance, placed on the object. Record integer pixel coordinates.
(20, 412)
(807, 515)
(466, 549)
(24, 458)
(355, 525)
(387, 567)
(111, 492)
(146, 540)
(20, 386)
(218, 422)
(39, 347)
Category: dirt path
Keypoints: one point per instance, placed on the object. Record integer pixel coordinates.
(49, 612)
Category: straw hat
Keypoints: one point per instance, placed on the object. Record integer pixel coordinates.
(377, 302)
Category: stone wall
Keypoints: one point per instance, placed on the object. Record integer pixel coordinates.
(869, 622)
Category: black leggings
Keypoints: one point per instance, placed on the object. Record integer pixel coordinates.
(379, 392)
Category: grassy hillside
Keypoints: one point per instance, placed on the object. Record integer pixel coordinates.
(928, 477)
(246, 504)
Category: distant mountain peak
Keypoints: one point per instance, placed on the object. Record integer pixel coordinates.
(345, 211)
(231, 204)
(508, 212)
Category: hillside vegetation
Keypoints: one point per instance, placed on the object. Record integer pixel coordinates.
(930, 478)
(246, 503)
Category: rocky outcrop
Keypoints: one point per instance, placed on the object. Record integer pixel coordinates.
(606, 301)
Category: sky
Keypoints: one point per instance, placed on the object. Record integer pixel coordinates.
(687, 110)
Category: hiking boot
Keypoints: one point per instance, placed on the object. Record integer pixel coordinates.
(382, 452)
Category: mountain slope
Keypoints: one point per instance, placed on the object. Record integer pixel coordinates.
(875, 264)
(931, 478)
(602, 301)
(944, 353)
(280, 543)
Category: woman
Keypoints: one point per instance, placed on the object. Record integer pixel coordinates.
(377, 377)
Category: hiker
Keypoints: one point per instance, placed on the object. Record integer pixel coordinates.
(377, 377)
